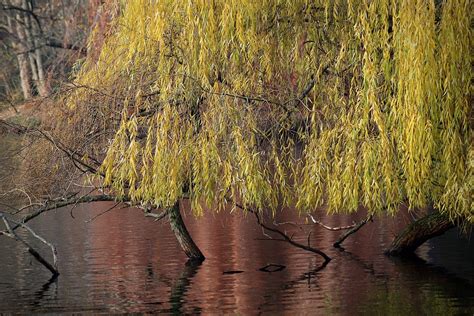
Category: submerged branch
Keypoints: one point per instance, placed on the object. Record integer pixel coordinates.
(11, 233)
(284, 236)
(344, 236)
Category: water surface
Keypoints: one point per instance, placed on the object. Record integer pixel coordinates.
(124, 262)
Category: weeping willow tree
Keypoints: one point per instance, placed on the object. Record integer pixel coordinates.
(341, 104)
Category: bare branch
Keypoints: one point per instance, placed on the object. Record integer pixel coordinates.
(343, 237)
(285, 237)
(23, 10)
(31, 250)
(60, 203)
(32, 232)
(57, 44)
(332, 228)
(104, 212)
(157, 216)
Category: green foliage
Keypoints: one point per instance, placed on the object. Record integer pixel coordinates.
(377, 92)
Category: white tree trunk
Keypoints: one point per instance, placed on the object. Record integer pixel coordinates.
(35, 53)
(20, 48)
(25, 79)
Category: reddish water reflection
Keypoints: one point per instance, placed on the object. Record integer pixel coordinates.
(124, 262)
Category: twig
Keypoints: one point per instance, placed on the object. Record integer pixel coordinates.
(329, 227)
(264, 233)
(12, 105)
(71, 211)
(286, 223)
(19, 190)
(104, 212)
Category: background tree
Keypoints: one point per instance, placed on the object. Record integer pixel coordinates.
(47, 37)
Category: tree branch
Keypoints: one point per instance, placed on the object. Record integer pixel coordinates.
(58, 204)
(57, 44)
(343, 237)
(31, 250)
(285, 237)
(23, 10)
(329, 227)
(159, 216)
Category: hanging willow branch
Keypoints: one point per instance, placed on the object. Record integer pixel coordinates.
(382, 86)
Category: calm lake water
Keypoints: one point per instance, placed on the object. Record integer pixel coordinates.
(123, 262)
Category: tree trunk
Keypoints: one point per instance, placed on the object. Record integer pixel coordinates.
(20, 49)
(34, 49)
(24, 76)
(42, 85)
(29, 43)
(36, 52)
(182, 234)
(418, 232)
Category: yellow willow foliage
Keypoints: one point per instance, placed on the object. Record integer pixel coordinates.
(277, 103)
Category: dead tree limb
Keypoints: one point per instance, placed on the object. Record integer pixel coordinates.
(343, 237)
(332, 228)
(61, 203)
(284, 236)
(34, 234)
(31, 250)
(58, 204)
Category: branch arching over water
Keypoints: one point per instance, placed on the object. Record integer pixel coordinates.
(285, 237)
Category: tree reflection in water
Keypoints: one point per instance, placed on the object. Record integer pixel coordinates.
(123, 262)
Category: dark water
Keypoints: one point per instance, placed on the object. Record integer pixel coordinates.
(124, 262)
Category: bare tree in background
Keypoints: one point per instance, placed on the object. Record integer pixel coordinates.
(46, 37)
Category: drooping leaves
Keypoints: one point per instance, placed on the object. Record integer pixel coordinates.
(279, 102)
